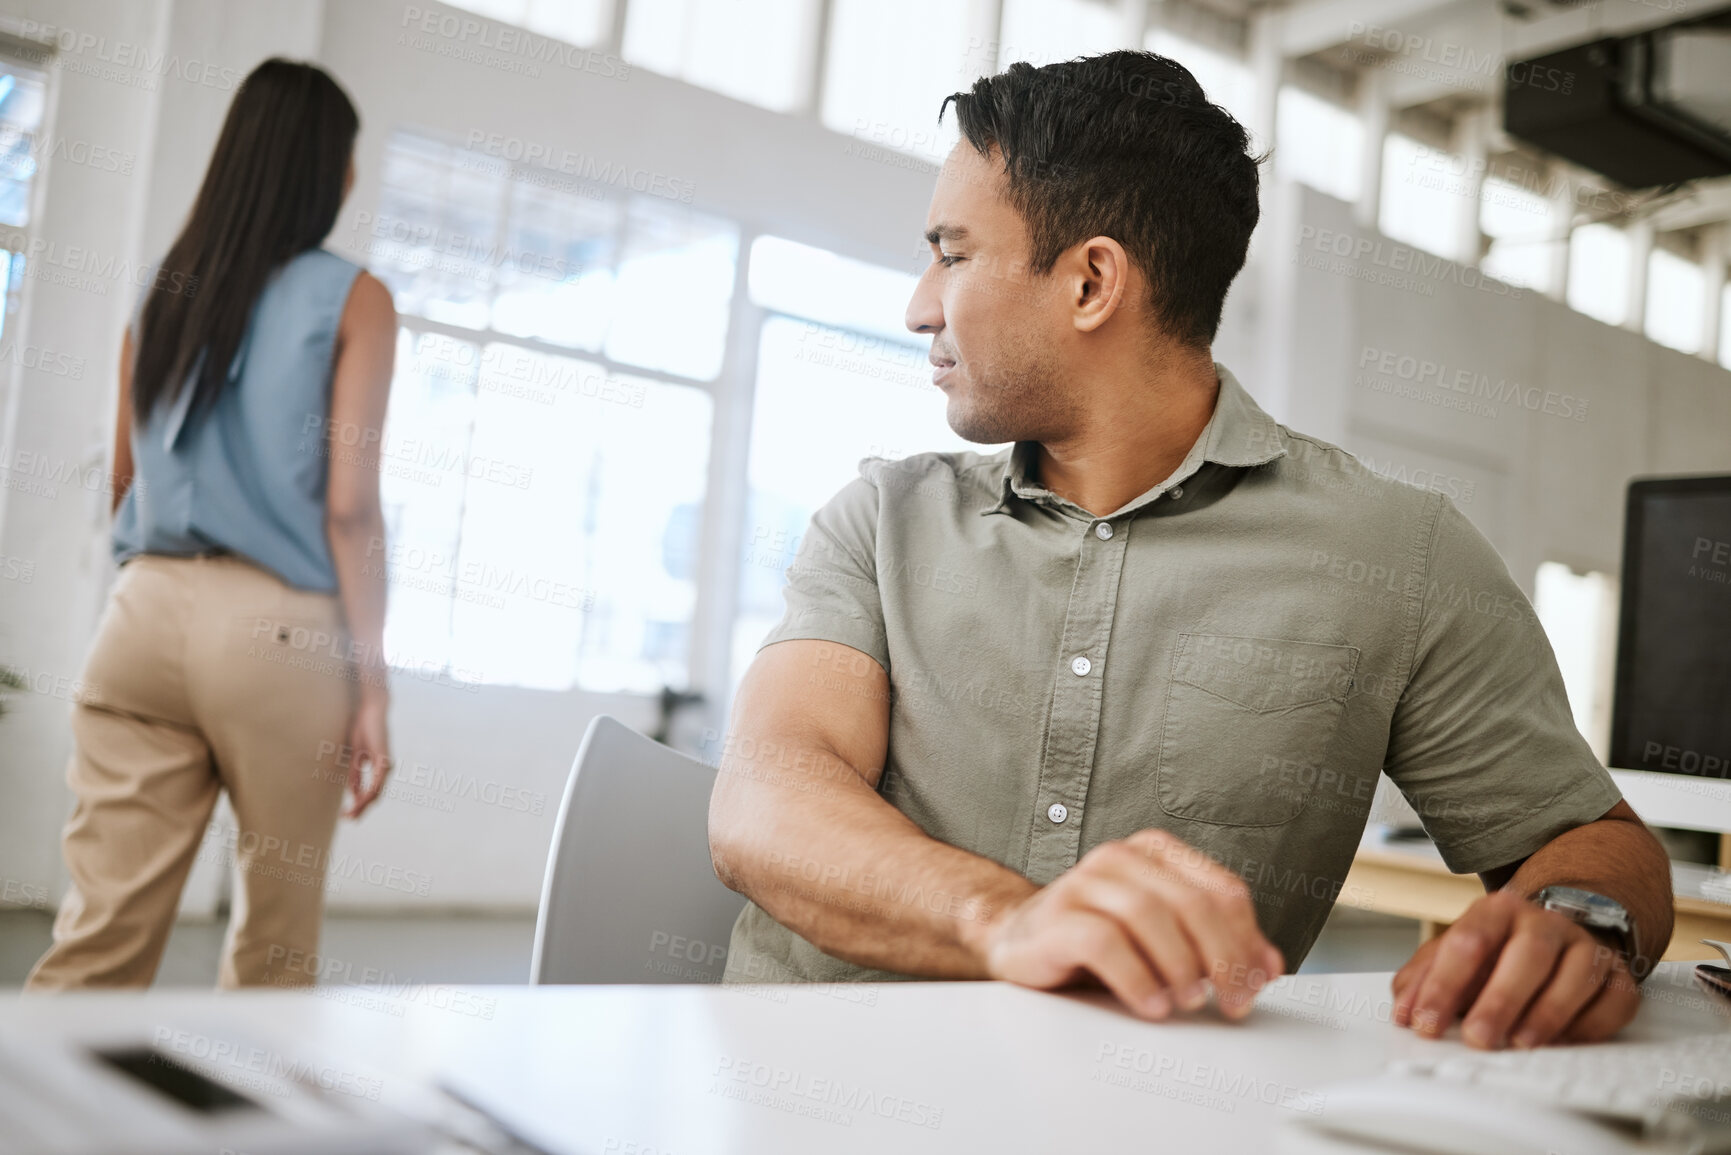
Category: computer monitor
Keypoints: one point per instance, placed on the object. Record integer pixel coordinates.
(1671, 710)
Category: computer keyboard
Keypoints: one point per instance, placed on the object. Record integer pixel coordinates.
(1682, 1087)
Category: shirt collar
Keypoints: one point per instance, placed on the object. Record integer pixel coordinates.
(1238, 434)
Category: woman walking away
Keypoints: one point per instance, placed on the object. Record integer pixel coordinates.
(240, 649)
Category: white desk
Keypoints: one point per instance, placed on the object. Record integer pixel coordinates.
(682, 1070)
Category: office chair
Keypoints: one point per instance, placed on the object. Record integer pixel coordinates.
(631, 895)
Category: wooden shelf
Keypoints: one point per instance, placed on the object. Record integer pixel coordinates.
(1413, 882)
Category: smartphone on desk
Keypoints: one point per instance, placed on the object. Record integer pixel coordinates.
(1716, 978)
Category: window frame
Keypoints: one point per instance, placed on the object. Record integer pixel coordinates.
(713, 601)
(17, 292)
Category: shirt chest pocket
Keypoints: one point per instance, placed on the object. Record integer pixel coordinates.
(1248, 723)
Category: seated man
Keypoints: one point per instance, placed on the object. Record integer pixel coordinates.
(1109, 706)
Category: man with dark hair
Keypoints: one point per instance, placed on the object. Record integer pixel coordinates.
(1110, 705)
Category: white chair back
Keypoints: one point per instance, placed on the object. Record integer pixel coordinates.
(631, 895)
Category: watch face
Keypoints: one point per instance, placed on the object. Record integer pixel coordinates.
(1596, 909)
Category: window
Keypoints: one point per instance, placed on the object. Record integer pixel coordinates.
(672, 291)
(831, 389)
(543, 498)
(754, 50)
(801, 281)
(541, 518)
(1416, 211)
(22, 143)
(1519, 223)
(1579, 615)
(1226, 81)
(1675, 292)
(574, 21)
(580, 525)
(1319, 144)
(1599, 272)
(569, 301)
(889, 65)
(21, 103)
(1044, 31)
(475, 240)
(429, 204)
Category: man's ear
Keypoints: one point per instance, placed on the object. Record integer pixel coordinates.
(1097, 272)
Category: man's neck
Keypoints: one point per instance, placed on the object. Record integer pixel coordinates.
(1134, 441)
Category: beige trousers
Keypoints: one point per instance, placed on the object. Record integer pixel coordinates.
(206, 674)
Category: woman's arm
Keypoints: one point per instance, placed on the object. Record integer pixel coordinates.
(123, 427)
(354, 521)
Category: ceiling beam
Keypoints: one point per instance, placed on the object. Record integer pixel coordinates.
(1710, 202)
(1590, 22)
(1231, 9)
(1460, 55)
(1314, 25)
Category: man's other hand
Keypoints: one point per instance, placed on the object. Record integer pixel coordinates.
(1516, 974)
(1150, 917)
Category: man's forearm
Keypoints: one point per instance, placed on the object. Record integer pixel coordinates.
(803, 835)
(1617, 857)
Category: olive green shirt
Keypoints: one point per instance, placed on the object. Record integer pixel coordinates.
(1231, 657)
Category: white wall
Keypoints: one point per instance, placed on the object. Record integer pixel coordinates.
(63, 421)
(482, 772)
(1547, 476)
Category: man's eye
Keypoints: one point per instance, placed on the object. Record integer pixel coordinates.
(946, 259)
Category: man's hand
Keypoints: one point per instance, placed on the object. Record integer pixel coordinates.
(1520, 974)
(1152, 918)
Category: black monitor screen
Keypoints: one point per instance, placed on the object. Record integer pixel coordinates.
(1672, 711)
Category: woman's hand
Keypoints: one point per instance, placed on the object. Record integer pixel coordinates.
(369, 744)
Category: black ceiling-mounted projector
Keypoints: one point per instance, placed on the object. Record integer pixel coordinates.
(1645, 110)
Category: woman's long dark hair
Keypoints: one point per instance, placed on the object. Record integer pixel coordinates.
(272, 190)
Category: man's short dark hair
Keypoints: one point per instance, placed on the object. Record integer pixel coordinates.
(1124, 145)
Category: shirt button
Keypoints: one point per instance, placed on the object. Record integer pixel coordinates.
(1080, 666)
(1103, 531)
(1177, 492)
(1057, 812)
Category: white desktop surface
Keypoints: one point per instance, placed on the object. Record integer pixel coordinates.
(641, 1069)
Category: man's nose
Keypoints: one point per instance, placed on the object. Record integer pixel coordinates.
(925, 312)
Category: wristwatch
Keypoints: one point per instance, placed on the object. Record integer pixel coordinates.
(1593, 911)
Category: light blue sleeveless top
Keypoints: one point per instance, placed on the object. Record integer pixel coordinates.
(248, 474)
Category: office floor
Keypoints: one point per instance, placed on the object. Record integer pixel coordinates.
(445, 949)
(495, 949)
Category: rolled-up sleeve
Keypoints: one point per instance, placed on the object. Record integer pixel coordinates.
(832, 589)
(1483, 743)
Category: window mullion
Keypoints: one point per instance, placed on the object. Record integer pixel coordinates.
(817, 61)
(614, 41)
(729, 491)
(501, 231)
